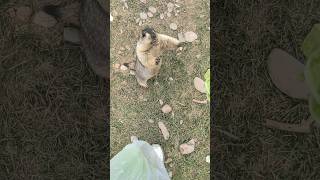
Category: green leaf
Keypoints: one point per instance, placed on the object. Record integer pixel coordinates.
(312, 76)
(207, 83)
(311, 43)
(314, 109)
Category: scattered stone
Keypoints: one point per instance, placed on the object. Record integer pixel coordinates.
(156, 83)
(132, 72)
(170, 79)
(161, 102)
(71, 35)
(43, 19)
(11, 12)
(151, 121)
(171, 165)
(198, 56)
(152, 9)
(143, 1)
(173, 26)
(116, 65)
(161, 16)
(122, 49)
(190, 36)
(181, 122)
(164, 130)
(169, 160)
(170, 5)
(111, 18)
(188, 147)
(123, 67)
(208, 159)
(166, 109)
(137, 20)
(23, 13)
(150, 14)
(199, 85)
(177, 5)
(140, 23)
(143, 16)
(133, 138)
(126, 5)
(168, 14)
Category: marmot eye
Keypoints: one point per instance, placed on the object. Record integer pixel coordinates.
(143, 35)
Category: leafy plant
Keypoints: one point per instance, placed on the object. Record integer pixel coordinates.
(311, 49)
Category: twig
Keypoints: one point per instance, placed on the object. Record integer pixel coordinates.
(199, 102)
(303, 127)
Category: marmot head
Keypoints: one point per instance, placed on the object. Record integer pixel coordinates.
(148, 36)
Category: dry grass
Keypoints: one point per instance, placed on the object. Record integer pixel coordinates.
(245, 33)
(132, 106)
(52, 106)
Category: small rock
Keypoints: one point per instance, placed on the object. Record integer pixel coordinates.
(152, 9)
(166, 109)
(116, 65)
(188, 147)
(133, 138)
(111, 18)
(170, 5)
(140, 23)
(137, 20)
(190, 36)
(208, 159)
(173, 26)
(168, 14)
(43, 19)
(71, 35)
(132, 72)
(161, 102)
(156, 83)
(169, 160)
(123, 67)
(170, 79)
(171, 165)
(150, 14)
(164, 130)
(198, 56)
(151, 121)
(199, 85)
(11, 12)
(170, 174)
(23, 13)
(126, 5)
(161, 16)
(143, 1)
(177, 5)
(143, 16)
(181, 37)
(181, 121)
(122, 49)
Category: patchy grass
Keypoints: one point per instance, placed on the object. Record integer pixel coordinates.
(52, 106)
(245, 34)
(132, 106)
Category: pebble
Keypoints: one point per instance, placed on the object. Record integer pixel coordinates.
(71, 35)
(190, 36)
(151, 121)
(168, 14)
(117, 65)
(150, 14)
(161, 16)
(161, 102)
(143, 1)
(23, 13)
(198, 56)
(169, 160)
(123, 67)
(173, 26)
(170, 79)
(43, 19)
(132, 72)
(143, 15)
(181, 37)
(152, 9)
(166, 109)
(208, 159)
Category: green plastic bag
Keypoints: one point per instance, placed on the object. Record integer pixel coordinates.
(311, 49)
(207, 83)
(137, 161)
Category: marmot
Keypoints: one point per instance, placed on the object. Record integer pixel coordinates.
(149, 48)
